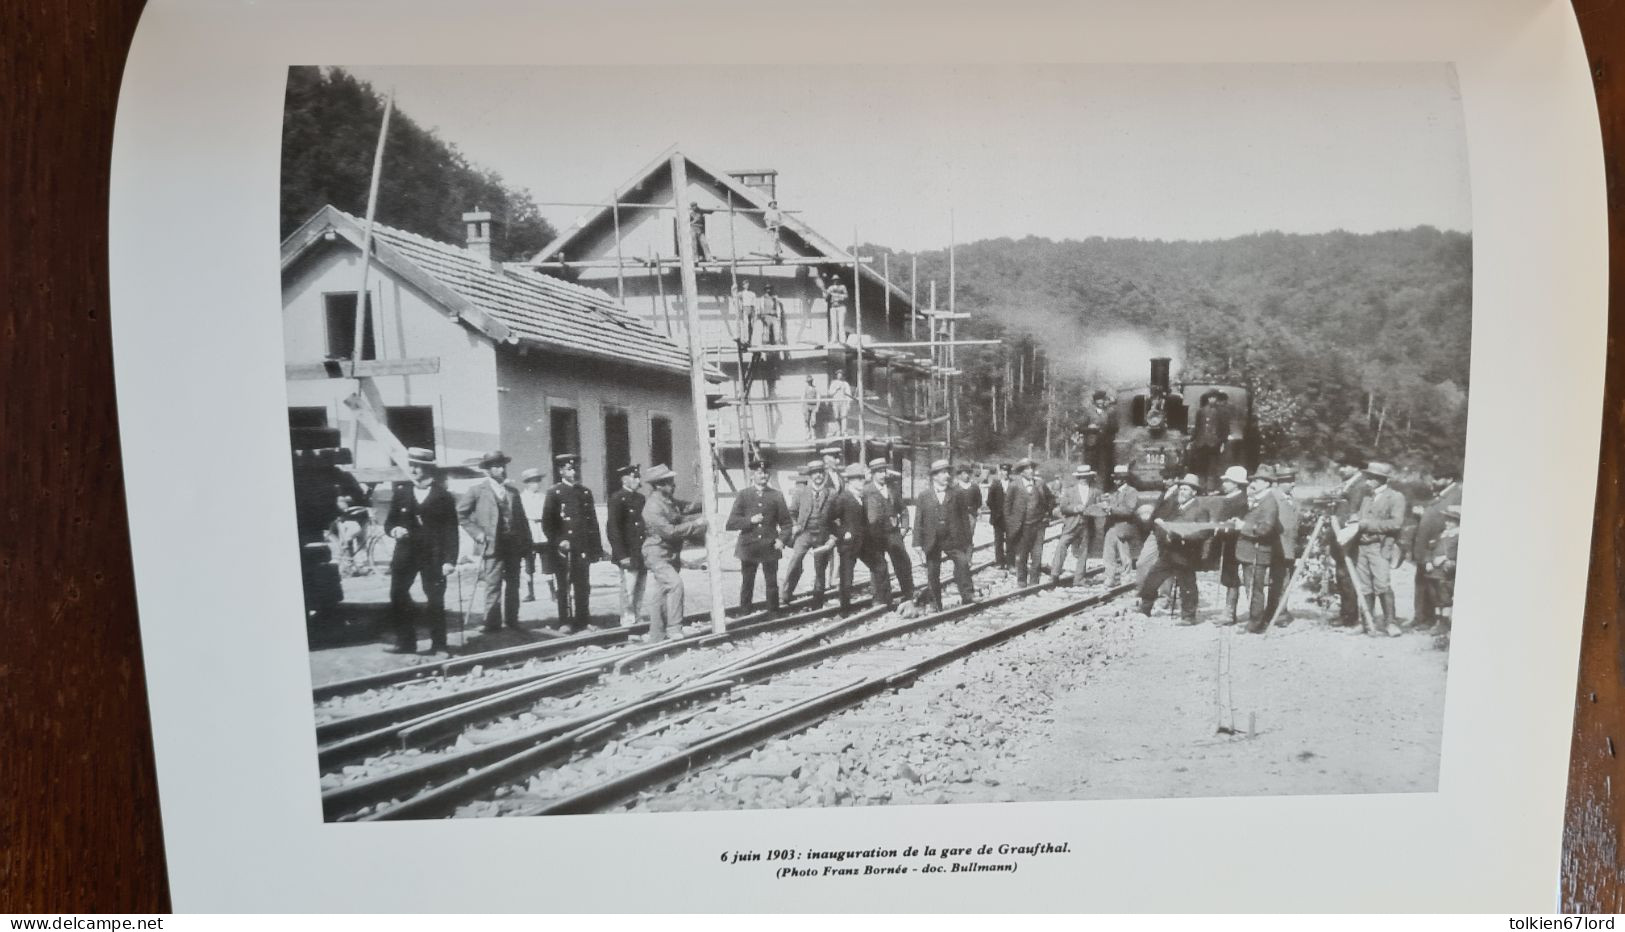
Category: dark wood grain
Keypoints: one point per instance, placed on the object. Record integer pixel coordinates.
(79, 807)
(1595, 814)
(79, 826)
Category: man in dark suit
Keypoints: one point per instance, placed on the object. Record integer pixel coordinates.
(1258, 547)
(1231, 507)
(570, 523)
(624, 528)
(971, 492)
(763, 521)
(888, 519)
(493, 516)
(849, 527)
(942, 529)
(1430, 524)
(1026, 513)
(811, 516)
(423, 521)
(1350, 496)
(1179, 549)
(997, 480)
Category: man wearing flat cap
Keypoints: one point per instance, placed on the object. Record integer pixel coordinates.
(942, 530)
(625, 531)
(494, 518)
(812, 516)
(1376, 546)
(423, 521)
(1026, 513)
(762, 519)
(669, 523)
(570, 523)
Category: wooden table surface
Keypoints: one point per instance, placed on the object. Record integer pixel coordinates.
(79, 825)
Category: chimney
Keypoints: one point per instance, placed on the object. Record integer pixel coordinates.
(479, 232)
(765, 180)
(1159, 373)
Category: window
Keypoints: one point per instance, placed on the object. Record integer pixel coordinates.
(565, 430)
(617, 445)
(660, 440)
(304, 418)
(341, 327)
(412, 425)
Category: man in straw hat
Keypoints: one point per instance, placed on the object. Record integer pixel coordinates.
(494, 518)
(1026, 513)
(762, 519)
(570, 522)
(668, 523)
(1376, 546)
(532, 495)
(1233, 484)
(942, 529)
(423, 521)
(1080, 508)
(1177, 555)
(624, 528)
(811, 516)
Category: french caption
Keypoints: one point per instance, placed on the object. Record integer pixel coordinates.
(805, 863)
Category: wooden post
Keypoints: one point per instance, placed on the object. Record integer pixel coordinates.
(620, 263)
(696, 387)
(857, 312)
(366, 234)
(914, 298)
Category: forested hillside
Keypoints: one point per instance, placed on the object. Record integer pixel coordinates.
(1351, 341)
(329, 134)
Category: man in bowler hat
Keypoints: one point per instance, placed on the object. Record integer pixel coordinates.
(423, 521)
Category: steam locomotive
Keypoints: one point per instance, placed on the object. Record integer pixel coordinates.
(1161, 430)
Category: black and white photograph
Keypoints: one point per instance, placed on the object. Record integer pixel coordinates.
(766, 437)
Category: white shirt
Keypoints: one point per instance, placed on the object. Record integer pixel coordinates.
(533, 502)
(421, 492)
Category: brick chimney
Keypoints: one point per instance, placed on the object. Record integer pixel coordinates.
(765, 180)
(479, 232)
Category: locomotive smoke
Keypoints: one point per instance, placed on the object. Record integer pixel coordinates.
(1120, 358)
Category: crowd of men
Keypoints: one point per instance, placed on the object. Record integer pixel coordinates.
(851, 514)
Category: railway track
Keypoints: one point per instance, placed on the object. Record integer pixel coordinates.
(589, 755)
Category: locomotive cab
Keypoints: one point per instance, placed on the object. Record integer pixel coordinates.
(1158, 424)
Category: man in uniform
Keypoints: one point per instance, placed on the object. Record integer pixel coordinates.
(570, 523)
(1286, 480)
(998, 486)
(1440, 568)
(849, 526)
(1123, 536)
(811, 516)
(1232, 506)
(423, 521)
(696, 225)
(1081, 509)
(888, 519)
(494, 518)
(1350, 495)
(1177, 555)
(1379, 520)
(624, 528)
(762, 519)
(1257, 547)
(1430, 524)
(942, 529)
(668, 523)
(1026, 513)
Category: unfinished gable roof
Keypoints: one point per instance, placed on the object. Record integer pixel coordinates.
(659, 171)
(509, 304)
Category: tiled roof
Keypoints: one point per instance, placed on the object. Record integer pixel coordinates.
(538, 309)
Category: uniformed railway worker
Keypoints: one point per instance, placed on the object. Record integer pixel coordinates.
(494, 518)
(1078, 506)
(887, 516)
(1177, 555)
(762, 519)
(811, 515)
(1430, 524)
(943, 519)
(423, 521)
(849, 525)
(1379, 520)
(1123, 537)
(668, 523)
(1026, 513)
(1257, 546)
(1286, 481)
(624, 528)
(570, 522)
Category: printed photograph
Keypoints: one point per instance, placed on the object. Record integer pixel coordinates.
(741, 437)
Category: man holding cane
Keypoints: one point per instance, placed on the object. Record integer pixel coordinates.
(423, 521)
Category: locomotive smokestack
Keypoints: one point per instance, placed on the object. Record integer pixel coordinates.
(1159, 373)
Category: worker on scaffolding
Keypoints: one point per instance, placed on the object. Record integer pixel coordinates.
(696, 226)
(769, 324)
(811, 400)
(747, 307)
(840, 404)
(773, 219)
(835, 297)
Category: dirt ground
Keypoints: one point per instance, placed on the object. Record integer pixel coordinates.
(1335, 712)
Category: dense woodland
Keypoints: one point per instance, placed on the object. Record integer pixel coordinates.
(1351, 342)
(329, 134)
